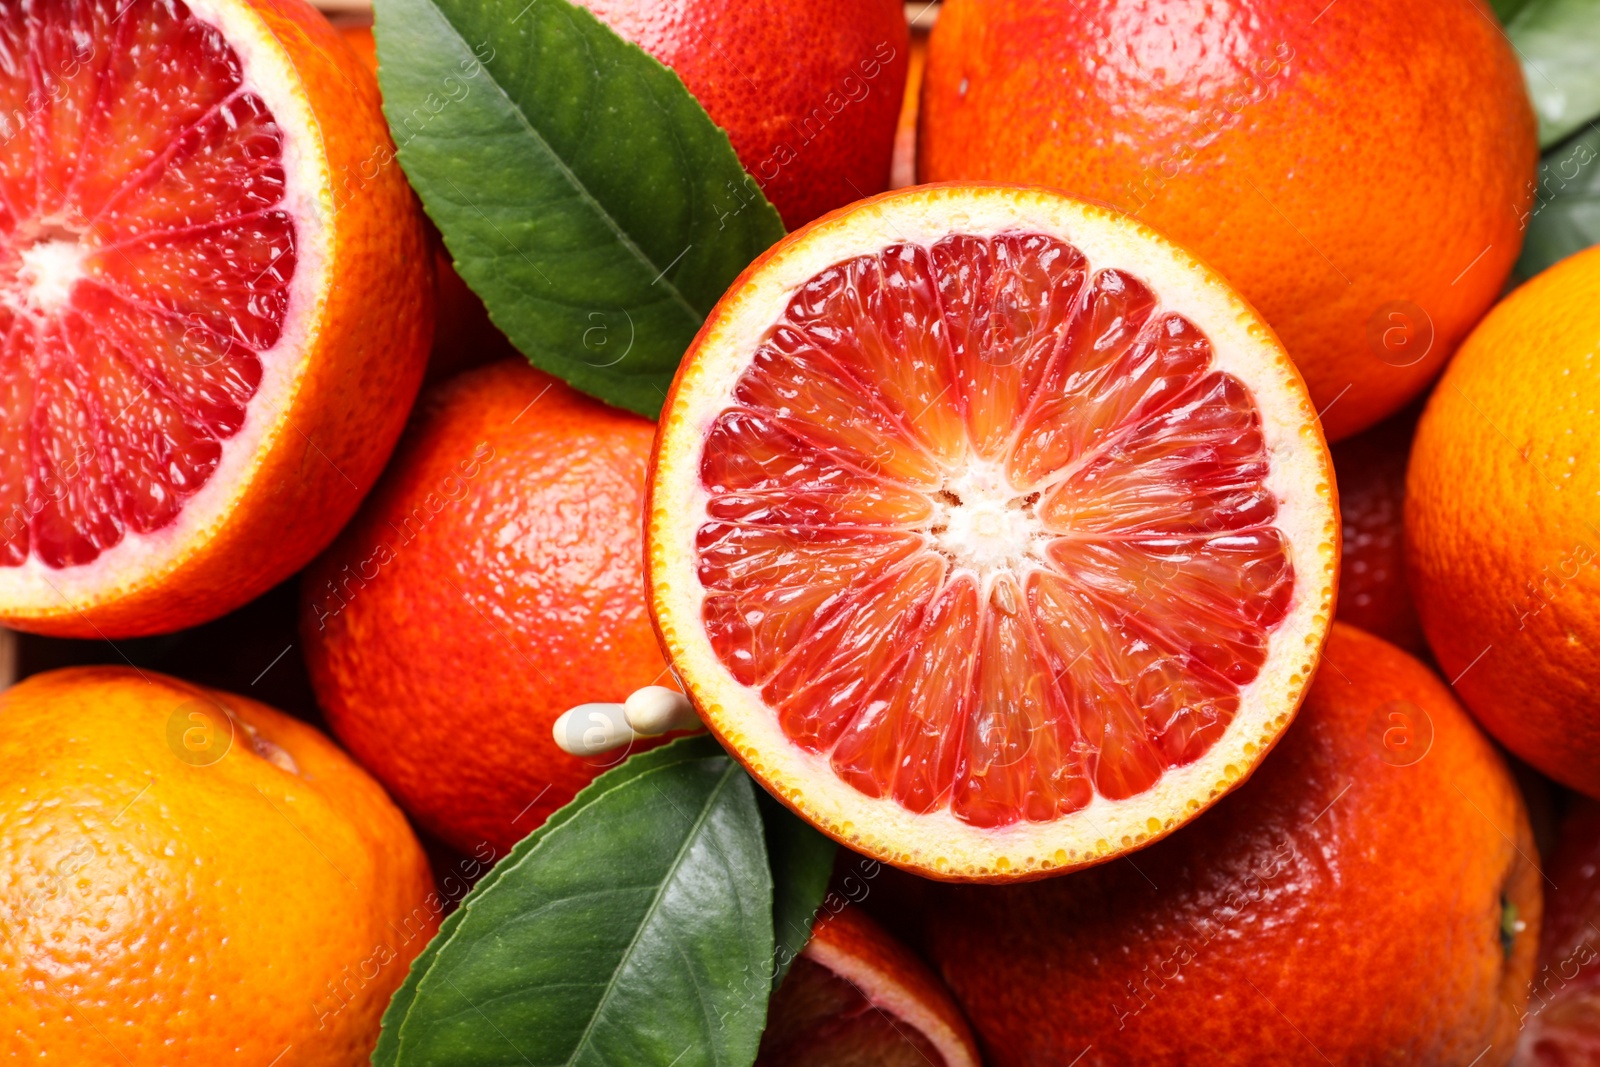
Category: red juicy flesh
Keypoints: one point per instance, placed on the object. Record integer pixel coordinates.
(1113, 651)
(818, 1019)
(126, 129)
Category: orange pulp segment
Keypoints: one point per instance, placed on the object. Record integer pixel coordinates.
(992, 532)
(146, 256)
(987, 528)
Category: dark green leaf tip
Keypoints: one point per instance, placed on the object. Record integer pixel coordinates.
(584, 194)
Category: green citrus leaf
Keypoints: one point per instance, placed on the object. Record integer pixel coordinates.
(585, 195)
(1559, 43)
(399, 1004)
(802, 861)
(634, 927)
(1565, 216)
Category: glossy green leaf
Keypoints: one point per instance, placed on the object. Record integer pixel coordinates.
(1559, 44)
(633, 927)
(1506, 9)
(802, 861)
(400, 1003)
(1565, 216)
(583, 192)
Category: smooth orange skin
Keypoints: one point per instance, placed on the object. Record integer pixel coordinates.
(808, 90)
(1502, 506)
(1328, 159)
(1371, 471)
(361, 375)
(1334, 904)
(159, 912)
(494, 580)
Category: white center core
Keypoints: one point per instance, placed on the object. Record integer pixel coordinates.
(992, 528)
(49, 270)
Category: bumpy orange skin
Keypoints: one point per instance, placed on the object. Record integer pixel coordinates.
(1337, 903)
(1502, 502)
(160, 911)
(362, 367)
(808, 90)
(1329, 159)
(494, 580)
(1373, 595)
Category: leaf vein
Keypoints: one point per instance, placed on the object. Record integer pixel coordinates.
(689, 838)
(582, 190)
(535, 841)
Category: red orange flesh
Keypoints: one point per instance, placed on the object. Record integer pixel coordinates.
(171, 215)
(858, 998)
(1063, 389)
(987, 527)
(162, 194)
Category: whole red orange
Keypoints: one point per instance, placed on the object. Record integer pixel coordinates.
(1502, 501)
(494, 579)
(1360, 170)
(1368, 897)
(808, 90)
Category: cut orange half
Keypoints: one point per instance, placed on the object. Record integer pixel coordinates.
(215, 305)
(855, 995)
(991, 531)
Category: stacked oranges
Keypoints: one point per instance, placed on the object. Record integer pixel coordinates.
(998, 526)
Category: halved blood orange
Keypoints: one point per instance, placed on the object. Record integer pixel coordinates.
(190, 406)
(855, 995)
(991, 531)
